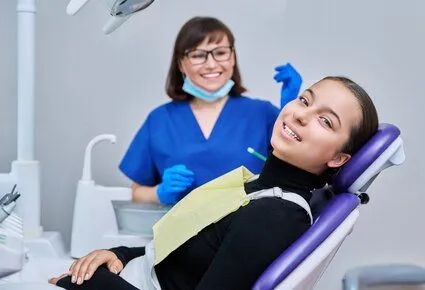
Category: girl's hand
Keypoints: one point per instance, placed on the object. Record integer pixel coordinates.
(84, 268)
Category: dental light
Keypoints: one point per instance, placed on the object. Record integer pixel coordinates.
(120, 10)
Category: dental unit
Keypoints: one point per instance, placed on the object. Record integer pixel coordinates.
(114, 219)
(36, 254)
(25, 170)
(22, 239)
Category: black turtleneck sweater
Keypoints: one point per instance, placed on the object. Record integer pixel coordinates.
(232, 253)
(278, 173)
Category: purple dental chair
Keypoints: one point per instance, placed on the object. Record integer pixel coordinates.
(303, 263)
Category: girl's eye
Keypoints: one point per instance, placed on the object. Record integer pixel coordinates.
(303, 100)
(326, 122)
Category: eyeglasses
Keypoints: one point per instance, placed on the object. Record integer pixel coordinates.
(200, 56)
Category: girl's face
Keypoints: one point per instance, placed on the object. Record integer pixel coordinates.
(311, 130)
(212, 74)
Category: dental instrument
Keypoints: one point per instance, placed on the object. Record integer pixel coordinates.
(119, 10)
(256, 154)
(11, 235)
(8, 203)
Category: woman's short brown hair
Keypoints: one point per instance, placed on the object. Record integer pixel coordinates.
(194, 32)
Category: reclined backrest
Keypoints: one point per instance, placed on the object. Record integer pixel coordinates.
(383, 150)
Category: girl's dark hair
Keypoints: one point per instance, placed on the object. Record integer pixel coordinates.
(369, 123)
(194, 32)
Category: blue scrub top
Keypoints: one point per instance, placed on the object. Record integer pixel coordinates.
(171, 135)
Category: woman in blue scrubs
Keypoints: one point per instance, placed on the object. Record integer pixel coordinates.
(206, 129)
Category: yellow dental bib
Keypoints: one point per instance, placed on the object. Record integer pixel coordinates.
(203, 206)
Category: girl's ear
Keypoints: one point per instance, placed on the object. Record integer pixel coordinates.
(339, 160)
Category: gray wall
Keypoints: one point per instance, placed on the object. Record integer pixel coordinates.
(89, 83)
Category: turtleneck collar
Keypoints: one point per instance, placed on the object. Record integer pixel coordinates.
(278, 173)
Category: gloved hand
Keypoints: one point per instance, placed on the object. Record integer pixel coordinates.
(176, 180)
(291, 83)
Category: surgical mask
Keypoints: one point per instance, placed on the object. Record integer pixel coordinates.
(204, 95)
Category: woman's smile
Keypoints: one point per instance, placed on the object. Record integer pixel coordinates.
(211, 75)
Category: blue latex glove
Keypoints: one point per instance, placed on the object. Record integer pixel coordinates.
(291, 83)
(176, 181)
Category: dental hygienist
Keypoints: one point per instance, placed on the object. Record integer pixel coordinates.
(206, 129)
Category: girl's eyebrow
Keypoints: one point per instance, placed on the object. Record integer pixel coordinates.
(332, 112)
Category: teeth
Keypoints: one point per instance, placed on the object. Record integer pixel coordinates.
(212, 75)
(291, 133)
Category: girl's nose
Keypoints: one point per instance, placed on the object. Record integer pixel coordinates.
(302, 116)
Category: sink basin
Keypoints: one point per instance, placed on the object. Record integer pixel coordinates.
(137, 218)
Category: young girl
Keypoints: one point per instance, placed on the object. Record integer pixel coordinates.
(312, 136)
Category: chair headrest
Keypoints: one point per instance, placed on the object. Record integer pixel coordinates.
(384, 149)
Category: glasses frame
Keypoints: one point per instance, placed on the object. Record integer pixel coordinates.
(208, 52)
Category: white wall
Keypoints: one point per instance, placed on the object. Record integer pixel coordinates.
(8, 88)
(89, 83)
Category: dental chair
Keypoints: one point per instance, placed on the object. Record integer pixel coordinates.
(303, 263)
